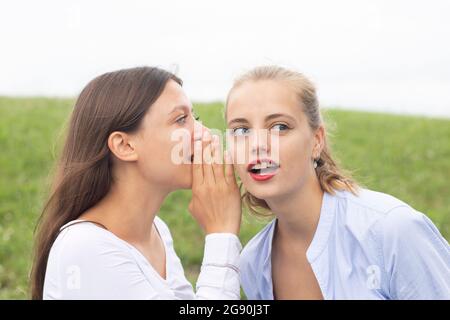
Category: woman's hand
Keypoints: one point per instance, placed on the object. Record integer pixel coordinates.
(216, 201)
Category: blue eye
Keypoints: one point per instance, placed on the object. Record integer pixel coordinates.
(240, 131)
(280, 127)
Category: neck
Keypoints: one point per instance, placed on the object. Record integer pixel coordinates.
(298, 212)
(129, 208)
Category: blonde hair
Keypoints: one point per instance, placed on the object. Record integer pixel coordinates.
(330, 176)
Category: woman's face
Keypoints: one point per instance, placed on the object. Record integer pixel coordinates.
(273, 106)
(165, 140)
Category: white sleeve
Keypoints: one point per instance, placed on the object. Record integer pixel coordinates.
(219, 275)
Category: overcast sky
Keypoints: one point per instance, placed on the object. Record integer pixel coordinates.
(375, 55)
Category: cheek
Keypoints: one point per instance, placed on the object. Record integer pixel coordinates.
(295, 154)
(155, 154)
(158, 160)
(170, 148)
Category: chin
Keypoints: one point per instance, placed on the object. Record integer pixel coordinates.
(181, 185)
(265, 195)
(263, 191)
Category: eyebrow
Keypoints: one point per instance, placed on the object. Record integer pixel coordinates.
(180, 107)
(269, 117)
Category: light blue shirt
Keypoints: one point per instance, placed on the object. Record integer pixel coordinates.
(370, 246)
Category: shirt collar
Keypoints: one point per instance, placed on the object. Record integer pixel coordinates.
(320, 238)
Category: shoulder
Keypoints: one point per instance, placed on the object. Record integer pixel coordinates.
(357, 215)
(369, 201)
(86, 233)
(390, 216)
(86, 243)
(381, 220)
(395, 225)
(406, 227)
(366, 209)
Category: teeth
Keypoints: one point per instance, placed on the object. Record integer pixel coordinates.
(263, 165)
(259, 166)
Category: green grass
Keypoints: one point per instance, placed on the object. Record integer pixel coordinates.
(407, 157)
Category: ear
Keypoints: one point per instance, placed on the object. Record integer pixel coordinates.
(319, 141)
(122, 146)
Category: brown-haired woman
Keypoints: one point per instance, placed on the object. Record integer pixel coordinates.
(99, 236)
(330, 239)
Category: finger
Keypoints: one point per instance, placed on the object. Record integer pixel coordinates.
(217, 158)
(208, 174)
(229, 169)
(197, 168)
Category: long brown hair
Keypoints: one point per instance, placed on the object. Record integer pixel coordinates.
(331, 177)
(115, 101)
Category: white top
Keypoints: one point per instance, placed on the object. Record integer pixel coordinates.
(89, 262)
(370, 246)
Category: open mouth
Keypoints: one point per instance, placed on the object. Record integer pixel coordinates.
(262, 169)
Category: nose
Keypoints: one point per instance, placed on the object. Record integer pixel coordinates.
(260, 142)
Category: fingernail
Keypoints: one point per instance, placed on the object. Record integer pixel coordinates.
(206, 136)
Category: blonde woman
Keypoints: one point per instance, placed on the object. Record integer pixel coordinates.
(330, 239)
